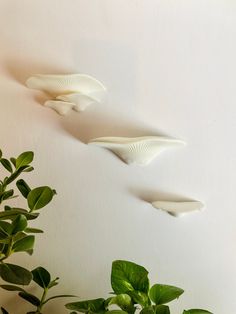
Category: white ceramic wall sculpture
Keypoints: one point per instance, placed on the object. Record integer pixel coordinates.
(180, 208)
(138, 150)
(71, 91)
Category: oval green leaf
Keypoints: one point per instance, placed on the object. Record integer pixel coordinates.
(15, 274)
(41, 276)
(127, 276)
(19, 224)
(24, 159)
(24, 244)
(39, 197)
(29, 298)
(161, 294)
(91, 306)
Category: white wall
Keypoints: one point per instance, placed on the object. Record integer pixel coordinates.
(169, 67)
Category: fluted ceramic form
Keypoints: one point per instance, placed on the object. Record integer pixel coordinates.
(138, 150)
(80, 101)
(61, 107)
(79, 89)
(180, 208)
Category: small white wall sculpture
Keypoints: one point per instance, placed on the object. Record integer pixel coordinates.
(138, 150)
(71, 91)
(180, 208)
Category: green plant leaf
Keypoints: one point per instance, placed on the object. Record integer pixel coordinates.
(24, 244)
(88, 306)
(7, 195)
(33, 230)
(15, 274)
(13, 161)
(23, 187)
(5, 226)
(30, 298)
(156, 309)
(53, 283)
(19, 224)
(13, 212)
(140, 298)
(122, 300)
(3, 234)
(11, 288)
(39, 197)
(197, 311)
(24, 159)
(6, 164)
(14, 175)
(41, 276)
(161, 294)
(127, 276)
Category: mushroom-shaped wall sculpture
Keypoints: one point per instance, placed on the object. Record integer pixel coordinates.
(138, 150)
(179, 208)
(78, 89)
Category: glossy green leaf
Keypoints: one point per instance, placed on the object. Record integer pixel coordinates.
(53, 283)
(30, 298)
(39, 197)
(6, 164)
(15, 274)
(24, 159)
(5, 226)
(127, 276)
(41, 276)
(11, 288)
(3, 234)
(140, 297)
(19, 224)
(33, 230)
(14, 175)
(91, 306)
(6, 195)
(28, 169)
(197, 311)
(124, 301)
(156, 309)
(24, 244)
(11, 214)
(13, 161)
(161, 294)
(23, 187)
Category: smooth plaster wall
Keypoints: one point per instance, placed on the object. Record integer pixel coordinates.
(170, 68)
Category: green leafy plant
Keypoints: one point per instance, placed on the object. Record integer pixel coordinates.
(17, 236)
(131, 292)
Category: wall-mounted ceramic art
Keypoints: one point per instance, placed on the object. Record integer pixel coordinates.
(180, 208)
(71, 91)
(138, 150)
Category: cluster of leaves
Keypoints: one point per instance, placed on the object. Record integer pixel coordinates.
(131, 292)
(15, 233)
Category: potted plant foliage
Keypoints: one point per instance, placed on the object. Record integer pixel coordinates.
(129, 281)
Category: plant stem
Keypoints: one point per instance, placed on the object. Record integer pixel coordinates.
(9, 249)
(42, 300)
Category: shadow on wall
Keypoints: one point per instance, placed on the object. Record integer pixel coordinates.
(94, 123)
(116, 66)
